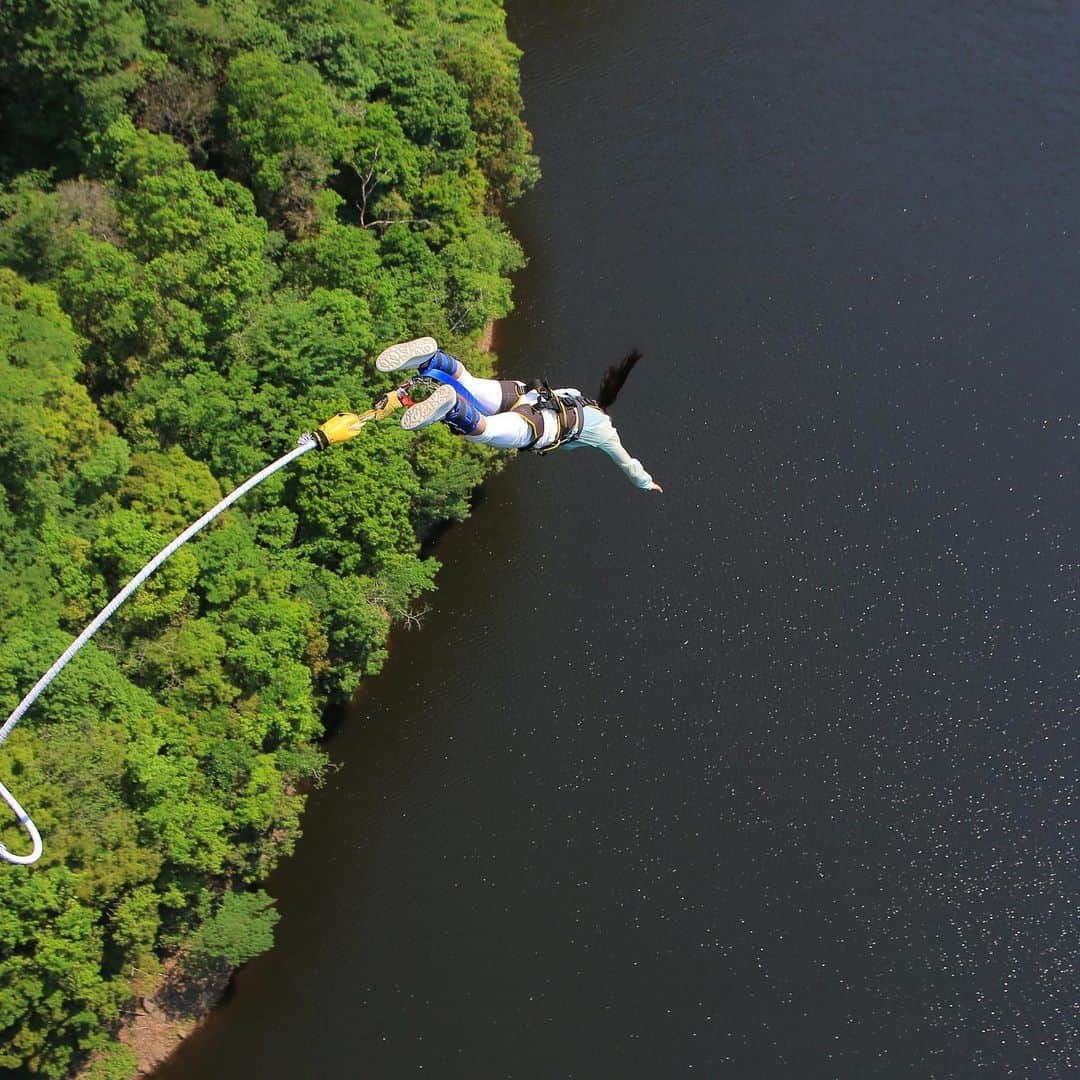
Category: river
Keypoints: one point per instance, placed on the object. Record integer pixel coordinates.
(771, 775)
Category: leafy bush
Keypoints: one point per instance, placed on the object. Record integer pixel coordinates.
(242, 927)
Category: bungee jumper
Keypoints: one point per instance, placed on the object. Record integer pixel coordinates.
(502, 413)
(508, 414)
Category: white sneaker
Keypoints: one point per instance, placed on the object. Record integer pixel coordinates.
(431, 409)
(409, 354)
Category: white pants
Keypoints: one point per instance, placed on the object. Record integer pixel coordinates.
(503, 430)
(510, 431)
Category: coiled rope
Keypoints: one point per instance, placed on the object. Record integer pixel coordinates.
(307, 442)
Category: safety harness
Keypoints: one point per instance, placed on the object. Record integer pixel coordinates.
(569, 410)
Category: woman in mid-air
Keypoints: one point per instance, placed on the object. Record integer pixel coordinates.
(510, 415)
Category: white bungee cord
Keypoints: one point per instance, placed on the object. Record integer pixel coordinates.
(307, 442)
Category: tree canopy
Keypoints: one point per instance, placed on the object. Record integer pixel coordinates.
(212, 214)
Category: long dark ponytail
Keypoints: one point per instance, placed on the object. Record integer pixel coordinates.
(614, 378)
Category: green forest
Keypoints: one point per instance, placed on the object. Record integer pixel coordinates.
(213, 214)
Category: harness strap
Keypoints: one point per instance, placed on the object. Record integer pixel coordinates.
(511, 392)
(569, 412)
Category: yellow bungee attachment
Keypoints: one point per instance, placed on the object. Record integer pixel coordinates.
(343, 426)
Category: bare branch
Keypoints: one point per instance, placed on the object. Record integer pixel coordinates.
(369, 181)
(413, 618)
(366, 186)
(396, 221)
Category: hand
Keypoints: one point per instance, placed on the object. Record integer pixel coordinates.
(654, 486)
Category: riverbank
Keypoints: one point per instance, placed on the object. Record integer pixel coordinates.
(487, 338)
(156, 1024)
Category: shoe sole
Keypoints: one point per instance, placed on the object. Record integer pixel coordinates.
(409, 354)
(429, 410)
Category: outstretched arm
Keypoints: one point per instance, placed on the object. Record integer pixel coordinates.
(600, 432)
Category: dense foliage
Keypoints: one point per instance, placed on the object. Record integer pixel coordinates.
(213, 214)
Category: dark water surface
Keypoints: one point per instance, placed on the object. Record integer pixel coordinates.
(771, 776)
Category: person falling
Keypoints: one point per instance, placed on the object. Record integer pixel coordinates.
(512, 415)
